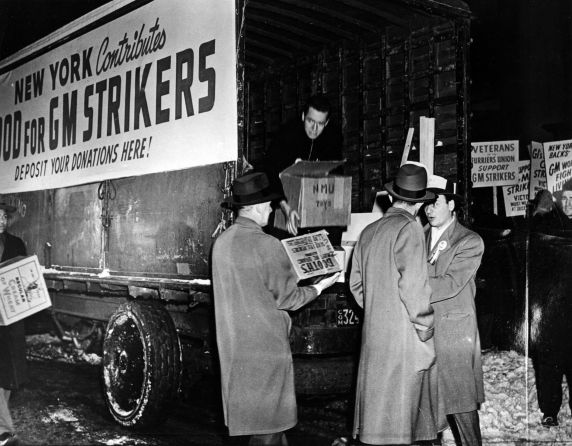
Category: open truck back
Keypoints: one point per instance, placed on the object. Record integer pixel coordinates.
(121, 133)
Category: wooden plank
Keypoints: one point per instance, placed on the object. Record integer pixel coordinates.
(407, 146)
(427, 142)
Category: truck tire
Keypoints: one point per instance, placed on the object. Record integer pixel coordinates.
(141, 364)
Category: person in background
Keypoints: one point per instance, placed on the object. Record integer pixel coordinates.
(454, 255)
(566, 200)
(13, 368)
(548, 216)
(550, 346)
(309, 139)
(254, 288)
(396, 383)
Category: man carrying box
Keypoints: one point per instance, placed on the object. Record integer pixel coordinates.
(12, 338)
(308, 139)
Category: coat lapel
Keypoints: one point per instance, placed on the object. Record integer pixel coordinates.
(440, 256)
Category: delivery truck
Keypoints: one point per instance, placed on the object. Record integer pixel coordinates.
(121, 133)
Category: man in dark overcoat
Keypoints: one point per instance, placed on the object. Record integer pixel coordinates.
(254, 288)
(395, 387)
(12, 338)
(550, 284)
(454, 255)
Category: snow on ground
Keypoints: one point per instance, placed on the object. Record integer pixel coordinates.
(510, 414)
(46, 346)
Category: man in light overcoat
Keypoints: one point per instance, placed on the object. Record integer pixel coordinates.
(395, 394)
(254, 287)
(454, 255)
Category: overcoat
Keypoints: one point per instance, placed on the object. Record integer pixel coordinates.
(254, 286)
(13, 367)
(396, 385)
(457, 343)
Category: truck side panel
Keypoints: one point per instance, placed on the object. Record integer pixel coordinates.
(162, 223)
(159, 223)
(76, 226)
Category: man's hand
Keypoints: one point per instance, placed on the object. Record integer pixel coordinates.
(326, 282)
(292, 217)
(424, 333)
(543, 203)
(293, 221)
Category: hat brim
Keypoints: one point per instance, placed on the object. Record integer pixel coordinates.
(7, 207)
(229, 202)
(449, 195)
(425, 198)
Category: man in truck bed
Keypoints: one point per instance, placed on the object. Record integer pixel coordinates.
(254, 286)
(309, 139)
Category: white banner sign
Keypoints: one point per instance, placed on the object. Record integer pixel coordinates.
(145, 91)
(494, 163)
(516, 196)
(537, 169)
(558, 159)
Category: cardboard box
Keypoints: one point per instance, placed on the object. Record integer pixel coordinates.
(341, 259)
(351, 235)
(311, 255)
(359, 220)
(23, 290)
(321, 198)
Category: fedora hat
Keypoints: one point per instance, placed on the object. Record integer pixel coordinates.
(7, 207)
(443, 186)
(252, 188)
(410, 184)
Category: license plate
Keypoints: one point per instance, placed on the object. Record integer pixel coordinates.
(347, 316)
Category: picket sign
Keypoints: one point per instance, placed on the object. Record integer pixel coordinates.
(558, 163)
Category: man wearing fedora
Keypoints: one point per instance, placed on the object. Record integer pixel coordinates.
(254, 287)
(12, 338)
(454, 255)
(388, 278)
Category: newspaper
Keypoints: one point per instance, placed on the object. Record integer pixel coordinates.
(311, 254)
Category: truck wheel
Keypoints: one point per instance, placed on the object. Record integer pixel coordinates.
(141, 364)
